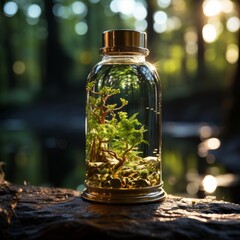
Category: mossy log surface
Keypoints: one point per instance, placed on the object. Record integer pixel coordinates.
(32, 212)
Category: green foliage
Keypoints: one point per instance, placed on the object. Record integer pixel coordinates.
(113, 140)
(115, 132)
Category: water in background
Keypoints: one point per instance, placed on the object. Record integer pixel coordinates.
(54, 155)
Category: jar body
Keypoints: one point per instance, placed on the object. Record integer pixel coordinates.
(123, 131)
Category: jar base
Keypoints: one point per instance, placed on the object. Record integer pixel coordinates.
(124, 196)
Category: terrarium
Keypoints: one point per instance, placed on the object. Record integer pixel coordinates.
(123, 123)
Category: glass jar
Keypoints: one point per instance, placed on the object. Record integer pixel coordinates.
(123, 123)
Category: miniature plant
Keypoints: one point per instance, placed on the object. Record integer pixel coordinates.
(112, 142)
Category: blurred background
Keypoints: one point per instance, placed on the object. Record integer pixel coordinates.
(47, 49)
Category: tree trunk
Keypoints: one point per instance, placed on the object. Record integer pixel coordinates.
(200, 54)
(57, 62)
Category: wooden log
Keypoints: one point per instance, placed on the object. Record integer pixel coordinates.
(32, 212)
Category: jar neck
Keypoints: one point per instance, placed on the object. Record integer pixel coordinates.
(136, 58)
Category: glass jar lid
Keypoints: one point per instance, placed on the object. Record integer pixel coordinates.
(124, 42)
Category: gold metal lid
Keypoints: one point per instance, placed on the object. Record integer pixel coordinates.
(124, 42)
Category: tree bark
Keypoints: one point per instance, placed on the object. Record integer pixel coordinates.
(200, 54)
(31, 212)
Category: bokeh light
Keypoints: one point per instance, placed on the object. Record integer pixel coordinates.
(34, 11)
(209, 183)
(141, 25)
(211, 7)
(10, 9)
(212, 143)
(81, 28)
(160, 17)
(78, 7)
(233, 24)
(205, 132)
(209, 33)
(232, 53)
(163, 3)
(19, 67)
(140, 12)
(62, 11)
(160, 21)
(227, 6)
(192, 188)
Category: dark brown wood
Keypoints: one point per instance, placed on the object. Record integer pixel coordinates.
(32, 212)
